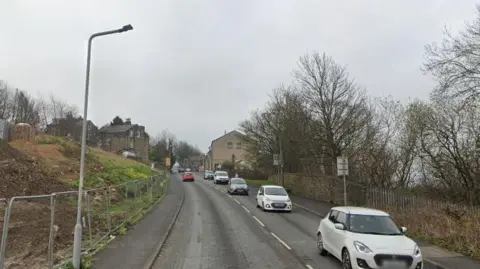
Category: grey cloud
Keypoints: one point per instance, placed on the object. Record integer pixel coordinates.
(210, 62)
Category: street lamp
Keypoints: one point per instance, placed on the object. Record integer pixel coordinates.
(77, 239)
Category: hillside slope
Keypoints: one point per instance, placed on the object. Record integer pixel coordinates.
(51, 164)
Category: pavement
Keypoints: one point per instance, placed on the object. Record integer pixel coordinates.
(215, 230)
(131, 251)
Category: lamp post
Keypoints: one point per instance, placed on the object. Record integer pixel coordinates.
(77, 239)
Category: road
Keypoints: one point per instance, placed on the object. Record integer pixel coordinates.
(217, 230)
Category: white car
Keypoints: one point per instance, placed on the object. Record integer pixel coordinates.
(366, 238)
(220, 177)
(271, 197)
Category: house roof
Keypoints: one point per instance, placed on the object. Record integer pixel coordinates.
(229, 133)
(115, 129)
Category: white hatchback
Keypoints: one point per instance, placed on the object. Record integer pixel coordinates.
(366, 238)
(271, 197)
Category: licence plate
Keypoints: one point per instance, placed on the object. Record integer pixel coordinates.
(394, 265)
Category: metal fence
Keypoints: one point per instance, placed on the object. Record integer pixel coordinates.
(38, 230)
(395, 199)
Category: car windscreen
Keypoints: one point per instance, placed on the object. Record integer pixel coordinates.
(367, 224)
(276, 191)
(222, 174)
(188, 174)
(237, 181)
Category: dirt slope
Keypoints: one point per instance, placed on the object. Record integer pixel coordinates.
(44, 166)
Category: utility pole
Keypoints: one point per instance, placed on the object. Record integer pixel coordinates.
(281, 161)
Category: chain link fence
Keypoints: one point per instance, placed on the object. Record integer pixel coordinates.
(37, 231)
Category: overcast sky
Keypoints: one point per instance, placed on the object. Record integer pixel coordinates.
(197, 68)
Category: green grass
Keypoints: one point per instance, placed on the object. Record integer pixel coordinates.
(102, 168)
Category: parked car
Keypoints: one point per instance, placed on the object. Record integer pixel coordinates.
(366, 238)
(188, 170)
(188, 176)
(273, 198)
(208, 175)
(237, 185)
(181, 170)
(220, 177)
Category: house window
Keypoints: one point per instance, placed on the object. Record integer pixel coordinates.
(230, 145)
(239, 145)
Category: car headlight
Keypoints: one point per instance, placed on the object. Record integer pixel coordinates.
(362, 247)
(288, 200)
(416, 251)
(268, 199)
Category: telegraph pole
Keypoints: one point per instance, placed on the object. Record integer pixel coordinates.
(281, 161)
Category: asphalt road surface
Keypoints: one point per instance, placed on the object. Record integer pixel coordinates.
(216, 230)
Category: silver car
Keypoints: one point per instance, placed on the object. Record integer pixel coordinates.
(237, 186)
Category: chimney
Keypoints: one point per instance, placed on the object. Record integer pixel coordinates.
(128, 121)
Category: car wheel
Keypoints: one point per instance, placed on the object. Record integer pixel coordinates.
(321, 250)
(346, 260)
(246, 193)
(258, 206)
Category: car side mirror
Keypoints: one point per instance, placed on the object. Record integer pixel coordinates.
(339, 226)
(403, 230)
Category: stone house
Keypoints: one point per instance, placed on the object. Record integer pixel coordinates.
(127, 137)
(226, 148)
(72, 127)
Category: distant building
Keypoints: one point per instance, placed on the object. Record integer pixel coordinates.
(225, 149)
(72, 127)
(128, 137)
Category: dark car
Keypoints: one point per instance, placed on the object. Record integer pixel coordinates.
(237, 186)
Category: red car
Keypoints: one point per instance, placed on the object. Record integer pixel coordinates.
(188, 176)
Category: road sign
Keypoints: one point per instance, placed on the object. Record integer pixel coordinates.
(342, 166)
(276, 159)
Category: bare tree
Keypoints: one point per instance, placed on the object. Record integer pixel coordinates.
(5, 100)
(44, 109)
(338, 105)
(454, 62)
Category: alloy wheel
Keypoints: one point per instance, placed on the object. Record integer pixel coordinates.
(346, 260)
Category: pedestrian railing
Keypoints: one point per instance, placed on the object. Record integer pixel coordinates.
(38, 230)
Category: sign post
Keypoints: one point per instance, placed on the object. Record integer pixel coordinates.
(342, 170)
(276, 162)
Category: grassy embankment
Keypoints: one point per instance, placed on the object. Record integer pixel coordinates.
(103, 169)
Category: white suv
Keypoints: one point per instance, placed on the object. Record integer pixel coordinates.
(220, 177)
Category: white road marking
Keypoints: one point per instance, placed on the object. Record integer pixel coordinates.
(281, 241)
(236, 201)
(308, 266)
(246, 209)
(261, 223)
